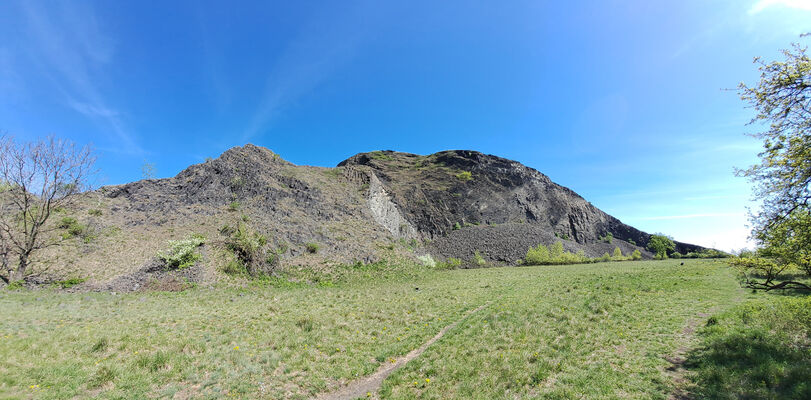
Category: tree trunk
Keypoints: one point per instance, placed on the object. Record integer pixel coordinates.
(19, 273)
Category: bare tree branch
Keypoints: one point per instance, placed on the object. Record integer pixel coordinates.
(38, 178)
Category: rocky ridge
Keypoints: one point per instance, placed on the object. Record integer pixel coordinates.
(371, 206)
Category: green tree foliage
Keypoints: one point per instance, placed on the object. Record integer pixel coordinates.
(660, 245)
(789, 242)
(782, 102)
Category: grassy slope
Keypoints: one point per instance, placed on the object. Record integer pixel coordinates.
(591, 331)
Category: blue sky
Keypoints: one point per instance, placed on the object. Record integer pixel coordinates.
(622, 101)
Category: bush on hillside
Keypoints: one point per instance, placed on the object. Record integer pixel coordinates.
(182, 253)
(464, 176)
(312, 248)
(478, 259)
(450, 263)
(427, 261)
(252, 256)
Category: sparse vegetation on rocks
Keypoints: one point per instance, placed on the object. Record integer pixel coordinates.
(312, 247)
(464, 176)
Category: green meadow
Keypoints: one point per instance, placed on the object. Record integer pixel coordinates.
(591, 331)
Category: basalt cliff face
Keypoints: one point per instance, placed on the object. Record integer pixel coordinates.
(466, 201)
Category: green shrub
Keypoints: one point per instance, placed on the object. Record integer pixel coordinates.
(312, 248)
(556, 251)
(72, 227)
(538, 255)
(605, 258)
(478, 259)
(676, 254)
(94, 212)
(182, 253)
(234, 267)
(608, 238)
(706, 253)
(457, 226)
(427, 261)
(617, 256)
(450, 263)
(233, 206)
(631, 241)
(71, 282)
(16, 285)
(636, 255)
(464, 176)
(554, 254)
(249, 249)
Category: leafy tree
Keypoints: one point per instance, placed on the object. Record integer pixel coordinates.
(789, 242)
(617, 253)
(782, 102)
(37, 179)
(660, 245)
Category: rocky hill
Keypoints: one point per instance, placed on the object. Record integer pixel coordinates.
(372, 205)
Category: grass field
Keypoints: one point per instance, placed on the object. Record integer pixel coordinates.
(579, 331)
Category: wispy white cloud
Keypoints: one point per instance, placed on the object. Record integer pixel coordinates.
(764, 4)
(69, 47)
(93, 110)
(325, 43)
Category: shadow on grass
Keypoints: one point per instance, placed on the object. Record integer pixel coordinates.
(749, 364)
